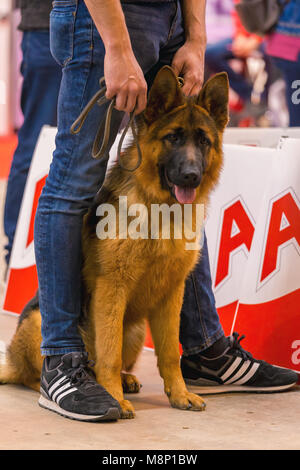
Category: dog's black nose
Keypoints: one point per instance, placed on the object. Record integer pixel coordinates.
(190, 177)
(185, 174)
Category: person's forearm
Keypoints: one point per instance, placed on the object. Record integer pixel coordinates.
(194, 20)
(188, 62)
(109, 20)
(124, 78)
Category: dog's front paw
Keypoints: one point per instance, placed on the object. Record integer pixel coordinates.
(187, 401)
(127, 410)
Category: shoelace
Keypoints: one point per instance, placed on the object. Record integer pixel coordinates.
(237, 346)
(82, 374)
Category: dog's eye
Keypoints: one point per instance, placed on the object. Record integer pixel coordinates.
(202, 138)
(173, 138)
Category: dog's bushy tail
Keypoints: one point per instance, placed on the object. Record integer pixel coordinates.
(23, 362)
(8, 373)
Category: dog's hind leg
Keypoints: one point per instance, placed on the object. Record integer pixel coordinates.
(133, 341)
(8, 373)
(23, 361)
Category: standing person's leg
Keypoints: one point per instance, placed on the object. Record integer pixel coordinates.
(72, 183)
(41, 81)
(67, 386)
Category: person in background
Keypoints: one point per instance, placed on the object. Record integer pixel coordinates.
(283, 45)
(240, 45)
(40, 87)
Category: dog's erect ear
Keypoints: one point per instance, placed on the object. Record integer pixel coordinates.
(165, 94)
(214, 98)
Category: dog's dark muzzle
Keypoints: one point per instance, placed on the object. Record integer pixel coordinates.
(183, 180)
(187, 175)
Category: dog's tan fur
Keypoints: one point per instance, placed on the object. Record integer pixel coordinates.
(130, 281)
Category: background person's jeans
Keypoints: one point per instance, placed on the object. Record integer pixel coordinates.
(40, 87)
(156, 33)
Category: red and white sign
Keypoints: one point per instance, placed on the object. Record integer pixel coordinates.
(253, 233)
(233, 214)
(268, 312)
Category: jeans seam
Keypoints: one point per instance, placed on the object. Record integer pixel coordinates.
(172, 27)
(73, 32)
(64, 176)
(87, 68)
(199, 310)
(173, 23)
(61, 2)
(25, 56)
(42, 265)
(60, 350)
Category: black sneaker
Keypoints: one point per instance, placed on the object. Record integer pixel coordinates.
(234, 370)
(68, 387)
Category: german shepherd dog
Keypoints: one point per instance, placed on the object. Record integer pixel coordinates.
(128, 281)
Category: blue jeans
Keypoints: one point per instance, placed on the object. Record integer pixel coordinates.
(291, 73)
(41, 81)
(74, 178)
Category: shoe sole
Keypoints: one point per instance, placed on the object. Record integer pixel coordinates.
(211, 390)
(112, 414)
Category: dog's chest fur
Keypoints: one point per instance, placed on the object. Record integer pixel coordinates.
(148, 269)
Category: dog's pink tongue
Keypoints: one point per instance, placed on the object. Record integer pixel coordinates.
(185, 195)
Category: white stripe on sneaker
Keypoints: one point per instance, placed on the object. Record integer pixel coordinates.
(248, 376)
(231, 369)
(73, 389)
(60, 390)
(56, 384)
(239, 373)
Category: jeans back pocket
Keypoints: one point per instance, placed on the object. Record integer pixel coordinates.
(62, 23)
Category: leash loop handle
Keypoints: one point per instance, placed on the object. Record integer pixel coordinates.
(78, 123)
(98, 150)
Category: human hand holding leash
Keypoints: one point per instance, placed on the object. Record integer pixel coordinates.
(125, 81)
(188, 63)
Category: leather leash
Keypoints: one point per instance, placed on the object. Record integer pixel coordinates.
(98, 151)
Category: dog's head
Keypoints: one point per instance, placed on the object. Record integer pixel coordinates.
(181, 138)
